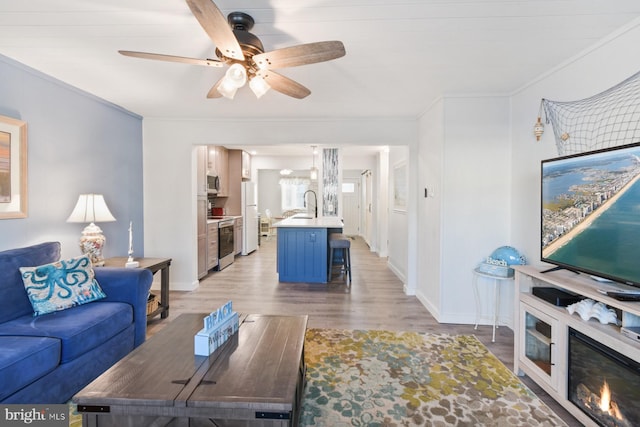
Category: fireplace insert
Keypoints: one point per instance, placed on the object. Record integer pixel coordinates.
(603, 383)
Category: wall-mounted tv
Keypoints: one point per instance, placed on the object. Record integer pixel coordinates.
(591, 213)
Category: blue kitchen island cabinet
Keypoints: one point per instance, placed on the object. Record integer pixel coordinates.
(303, 248)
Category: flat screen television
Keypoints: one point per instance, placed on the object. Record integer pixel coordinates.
(591, 213)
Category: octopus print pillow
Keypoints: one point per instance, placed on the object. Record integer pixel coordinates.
(61, 285)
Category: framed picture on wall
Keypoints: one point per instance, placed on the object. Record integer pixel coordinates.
(400, 187)
(13, 168)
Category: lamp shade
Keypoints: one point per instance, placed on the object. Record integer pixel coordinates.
(237, 75)
(227, 89)
(234, 78)
(259, 86)
(91, 208)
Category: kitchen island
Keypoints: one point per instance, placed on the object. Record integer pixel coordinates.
(303, 247)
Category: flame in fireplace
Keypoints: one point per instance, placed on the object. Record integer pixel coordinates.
(606, 404)
(605, 397)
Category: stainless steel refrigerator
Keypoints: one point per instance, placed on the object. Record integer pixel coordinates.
(249, 217)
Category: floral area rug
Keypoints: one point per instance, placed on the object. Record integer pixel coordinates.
(382, 378)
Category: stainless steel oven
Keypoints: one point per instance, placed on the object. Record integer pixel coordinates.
(226, 246)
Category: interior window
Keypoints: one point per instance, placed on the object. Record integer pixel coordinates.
(292, 193)
(348, 187)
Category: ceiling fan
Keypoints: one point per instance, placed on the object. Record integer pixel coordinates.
(244, 54)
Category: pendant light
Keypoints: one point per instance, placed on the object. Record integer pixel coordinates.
(313, 173)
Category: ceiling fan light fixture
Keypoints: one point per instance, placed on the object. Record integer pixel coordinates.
(259, 86)
(236, 75)
(234, 78)
(245, 55)
(227, 89)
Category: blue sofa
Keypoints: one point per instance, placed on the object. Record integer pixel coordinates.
(49, 358)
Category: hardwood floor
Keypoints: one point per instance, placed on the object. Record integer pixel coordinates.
(375, 300)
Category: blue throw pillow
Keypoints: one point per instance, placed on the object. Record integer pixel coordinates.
(60, 285)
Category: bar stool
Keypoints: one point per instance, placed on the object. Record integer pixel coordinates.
(342, 242)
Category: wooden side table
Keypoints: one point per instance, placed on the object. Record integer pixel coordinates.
(154, 265)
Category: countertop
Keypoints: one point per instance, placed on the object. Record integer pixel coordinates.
(303, 221)
(224, 218)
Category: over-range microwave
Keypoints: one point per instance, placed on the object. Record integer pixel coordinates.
(213, 184)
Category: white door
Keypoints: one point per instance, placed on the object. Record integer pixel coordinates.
(351, 206)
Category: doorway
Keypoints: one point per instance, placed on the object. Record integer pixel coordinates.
(351, 206)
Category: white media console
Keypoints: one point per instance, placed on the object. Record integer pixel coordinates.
(541, 329)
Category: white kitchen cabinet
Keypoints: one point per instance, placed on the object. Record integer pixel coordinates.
(201, 170)
(202, 237)
(246, 166)
(218, 165)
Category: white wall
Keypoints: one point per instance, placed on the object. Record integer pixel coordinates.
(430, 164)
(467, 215)
(605, 65)
(398, 217)
(77, 143)
(380, 239)
(479, 159)
(476, 189)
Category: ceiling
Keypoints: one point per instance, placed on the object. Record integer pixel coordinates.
(401, 54)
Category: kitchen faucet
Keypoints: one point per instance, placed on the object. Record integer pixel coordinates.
(304, 200)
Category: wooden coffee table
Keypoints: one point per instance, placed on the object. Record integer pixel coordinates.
(255, 378)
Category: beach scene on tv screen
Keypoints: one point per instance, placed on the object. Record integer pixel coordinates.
(591, 213)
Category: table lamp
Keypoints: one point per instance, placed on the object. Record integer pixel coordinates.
(92, 208)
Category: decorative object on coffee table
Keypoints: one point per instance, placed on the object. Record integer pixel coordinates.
(219, 326)
(92, 208)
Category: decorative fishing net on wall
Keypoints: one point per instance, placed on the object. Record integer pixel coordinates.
(608, 119)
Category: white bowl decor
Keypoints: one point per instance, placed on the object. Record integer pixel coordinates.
(588, 308)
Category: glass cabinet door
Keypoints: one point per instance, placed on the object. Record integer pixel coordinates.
(538, 343)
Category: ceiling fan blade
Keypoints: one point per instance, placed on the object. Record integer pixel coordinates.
(213, 92)
(216, 26)
(284, 84)
(171, 58)
(300, 55)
